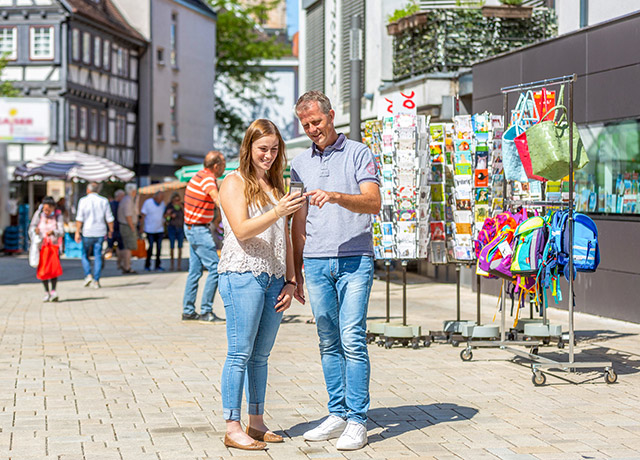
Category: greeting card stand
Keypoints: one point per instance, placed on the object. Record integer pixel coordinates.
(540, 363)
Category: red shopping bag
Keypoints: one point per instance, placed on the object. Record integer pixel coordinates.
(49, 266)
(141, 251)
(525, 156)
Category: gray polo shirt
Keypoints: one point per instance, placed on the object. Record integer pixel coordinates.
(334, 231)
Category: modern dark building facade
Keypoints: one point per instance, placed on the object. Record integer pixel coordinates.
(606, 59)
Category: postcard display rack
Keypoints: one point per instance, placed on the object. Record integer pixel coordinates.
(512, 201)
(401, 230)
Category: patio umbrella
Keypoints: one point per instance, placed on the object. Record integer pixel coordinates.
(185, 173)
(73, 165)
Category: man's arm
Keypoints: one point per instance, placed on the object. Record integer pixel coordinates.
(78, 230)
(213, 193)
(298, 239)
(367, 202)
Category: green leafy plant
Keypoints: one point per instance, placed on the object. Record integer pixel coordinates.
(409, 10)
(512, 2)
(6, 87)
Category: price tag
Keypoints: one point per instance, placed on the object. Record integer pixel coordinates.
(505, 249)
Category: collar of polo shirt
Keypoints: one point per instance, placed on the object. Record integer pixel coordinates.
(337, 145)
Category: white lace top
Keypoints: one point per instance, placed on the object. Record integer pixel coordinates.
(264, 253)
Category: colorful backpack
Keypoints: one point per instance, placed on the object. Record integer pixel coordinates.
(500, 246)
(529, 244)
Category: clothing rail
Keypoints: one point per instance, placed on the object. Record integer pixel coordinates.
(539, 84)
(551, 204)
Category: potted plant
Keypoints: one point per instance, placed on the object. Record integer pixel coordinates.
(508, 9)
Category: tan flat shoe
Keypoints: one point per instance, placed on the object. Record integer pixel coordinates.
(255, 445)
(264, 436)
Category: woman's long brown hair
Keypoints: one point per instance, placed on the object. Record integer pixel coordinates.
(253, 193)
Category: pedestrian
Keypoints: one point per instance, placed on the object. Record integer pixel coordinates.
(200, 201)
(152, 222)
(47, 227)
(127, 218)
(175, 227)
(256, 276)
(116, 239)
(332, 235)
(94, 222)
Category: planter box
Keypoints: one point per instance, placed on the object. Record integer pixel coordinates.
(392, 28)
(403, 24)
(505, 11)
(418, 19)
(399, 26)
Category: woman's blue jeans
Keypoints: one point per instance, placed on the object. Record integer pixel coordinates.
(339, 289)
(252, 326)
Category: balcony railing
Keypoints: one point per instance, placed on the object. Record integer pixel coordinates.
(452, 38)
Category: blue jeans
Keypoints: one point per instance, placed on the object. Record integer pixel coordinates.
(94, 243)
(176, 234)
(157, 239)
(339, 289)
(252, 326)
(202, 254)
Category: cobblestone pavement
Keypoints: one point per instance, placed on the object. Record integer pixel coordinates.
(115, 374)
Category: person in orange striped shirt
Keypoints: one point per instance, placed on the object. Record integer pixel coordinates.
(200, 201)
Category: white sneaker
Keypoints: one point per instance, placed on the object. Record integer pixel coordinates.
(47, 297)
(95, 284)
(87, 280)
(54, 296)
(354, 437)
(332, 427)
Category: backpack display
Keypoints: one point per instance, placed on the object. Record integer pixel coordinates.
(530, 240)
(493, 253)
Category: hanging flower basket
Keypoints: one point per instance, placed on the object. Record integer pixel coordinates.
(506, 11)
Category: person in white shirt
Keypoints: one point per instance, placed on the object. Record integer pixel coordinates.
(94, 222)
(152, 223)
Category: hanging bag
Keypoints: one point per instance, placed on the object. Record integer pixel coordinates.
(513, 169)
(49, 266)
(549, 144)
(141, 251)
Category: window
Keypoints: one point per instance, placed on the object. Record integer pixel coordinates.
(82, 130)
(174, 40)
(315, 54)
(173, 110)
(349, 8)
(75, 44)
(86, 47)
(97, 51)
(160, 56)
(93, 132)
(106, 55)
(103, 127)
(121, 130)
(610, 182)
(160, 130)
(133, 68)
(73, 121)
(41, 42)
(9, 42)
(125, 63)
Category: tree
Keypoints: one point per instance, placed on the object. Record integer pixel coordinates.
(240, 46)
(6, 87)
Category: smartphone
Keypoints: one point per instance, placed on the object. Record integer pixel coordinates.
(296, 188)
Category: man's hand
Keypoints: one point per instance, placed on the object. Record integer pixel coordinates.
(319, 197)
(78, 238)
(298, 294)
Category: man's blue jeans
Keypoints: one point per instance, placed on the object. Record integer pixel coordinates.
(252, 326)
(95, 243)
(339, 289)
(202, 254)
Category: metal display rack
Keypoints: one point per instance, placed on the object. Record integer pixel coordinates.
(540, 363)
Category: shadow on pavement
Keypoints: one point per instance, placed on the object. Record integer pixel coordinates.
(396, 421)
(81, 299)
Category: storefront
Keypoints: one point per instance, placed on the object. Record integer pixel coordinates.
(606, 58)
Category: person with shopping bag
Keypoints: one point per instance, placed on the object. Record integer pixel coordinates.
(45, 229)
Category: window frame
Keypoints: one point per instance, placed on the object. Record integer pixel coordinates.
(173, 41)
(86, 50)
(106, 55)
(97, 51)
(94, 130)
(103, 128)
(76, 45)
(173, 111)
(52, 43)
(83, 123)
(73, 121)
(14, 53)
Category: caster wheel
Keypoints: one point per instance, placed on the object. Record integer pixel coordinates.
(466, 355)
(534, 350)
(611, 376)
(511, 336)
(546, 341)
(455, 343)
(415, 345)
(388, 344)
(538, 378)
(427, 343)
(561, 344)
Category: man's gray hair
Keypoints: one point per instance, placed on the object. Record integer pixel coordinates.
(93, 187)
(313, 96)
(118, 193)
(130, 188)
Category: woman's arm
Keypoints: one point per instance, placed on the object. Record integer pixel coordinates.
(235, 208)
(35, 220)
(59, 231)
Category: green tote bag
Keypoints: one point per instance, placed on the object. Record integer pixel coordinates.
(549, 147)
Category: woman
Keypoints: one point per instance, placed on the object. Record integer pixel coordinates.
(256, 276)
(175, 226)
(47, 225)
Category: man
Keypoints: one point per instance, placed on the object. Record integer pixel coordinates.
(200, 201)
(152, 223)
(115, 239)
(94, 221)
(128, 223)
(333, 236)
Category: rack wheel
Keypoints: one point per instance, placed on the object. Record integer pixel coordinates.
(511, 336)
(466, 354)
(455, 343)
(611, 376)
(415, 344)
(388, 343)
(546, 341)
(538, 378)
(534, 350)
(560, 344)
(427, 343)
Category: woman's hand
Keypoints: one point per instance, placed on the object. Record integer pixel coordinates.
(36, 231)
(285, 298)
(289, 204)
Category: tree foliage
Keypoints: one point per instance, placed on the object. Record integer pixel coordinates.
(240, 46)
(6, 87)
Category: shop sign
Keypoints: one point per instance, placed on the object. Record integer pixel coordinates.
(25, 120)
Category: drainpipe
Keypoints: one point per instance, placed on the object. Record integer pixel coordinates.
(584, 13)
(355, 99)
